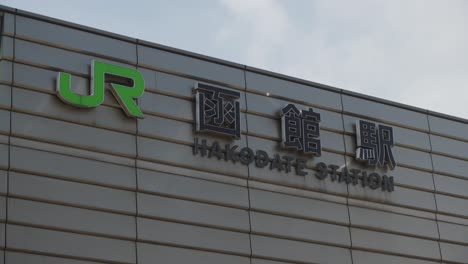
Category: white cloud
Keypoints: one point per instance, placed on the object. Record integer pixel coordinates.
(263, 24)
(408, 51)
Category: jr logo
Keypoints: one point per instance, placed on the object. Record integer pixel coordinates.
(125, 95)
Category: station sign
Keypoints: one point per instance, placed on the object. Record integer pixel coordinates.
(300, 131)
(217, 110)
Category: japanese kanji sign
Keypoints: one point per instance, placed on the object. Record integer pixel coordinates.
(217, 110)
(374, 144)
(300, 130)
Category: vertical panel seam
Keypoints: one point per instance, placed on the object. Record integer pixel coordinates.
(2, 26)
(9, 135)
(433, 182)
(248, 167)
(136, 171)
(347, 186)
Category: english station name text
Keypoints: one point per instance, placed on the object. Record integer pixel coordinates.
(262, 159)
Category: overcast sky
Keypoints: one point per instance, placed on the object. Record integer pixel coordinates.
(410, 51)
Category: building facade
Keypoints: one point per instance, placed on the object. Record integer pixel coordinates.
(214, 162)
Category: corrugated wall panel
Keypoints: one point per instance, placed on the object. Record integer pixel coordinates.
(91, 186)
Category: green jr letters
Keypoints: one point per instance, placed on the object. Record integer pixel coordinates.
(125, 95)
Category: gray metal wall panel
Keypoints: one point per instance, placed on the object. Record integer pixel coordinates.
(8, 24)
(6, 72)
(363, 257)
(395, 244)
(381, 112)
(190, 172)
(4, 156)
(450, 166)
(264, 127)
(25, 258)
(272, 147)
(70, 218)
(449, 147)
(7, 48)
(269, 106)
(171, 209)
(299, 229)
(290, 178)
(50, 57)
(454, 253)
(179, 131)
(332, 141)
(74, 39)
(3, 182)
(70, 134)
(308, 182)
(71, 193)
(165, 128)
(5, 96)
(446, 127)
(452, 205)
(453, 232)
(72, 168)
(69, 151)
(50, 105)
(402, 136)
(401, 196)
(175, 85)
(271, 128)
(299, 92)
(441, 217)
(159, 59)
(412, 178)
(296, 251)
(451, 186)
(162, 105)
(70, 244)
(263, 261)
(192, 188)
(4, 122)
(150, 77)
(150, 149)
(407, 157)
(2, 235)
(193, 236)
(413, 158)
(170, 84)
(204, 202)
(149, 254)
(386, 221)
(44, 80)
(350, 145)
(300, 207)
(3, 208)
